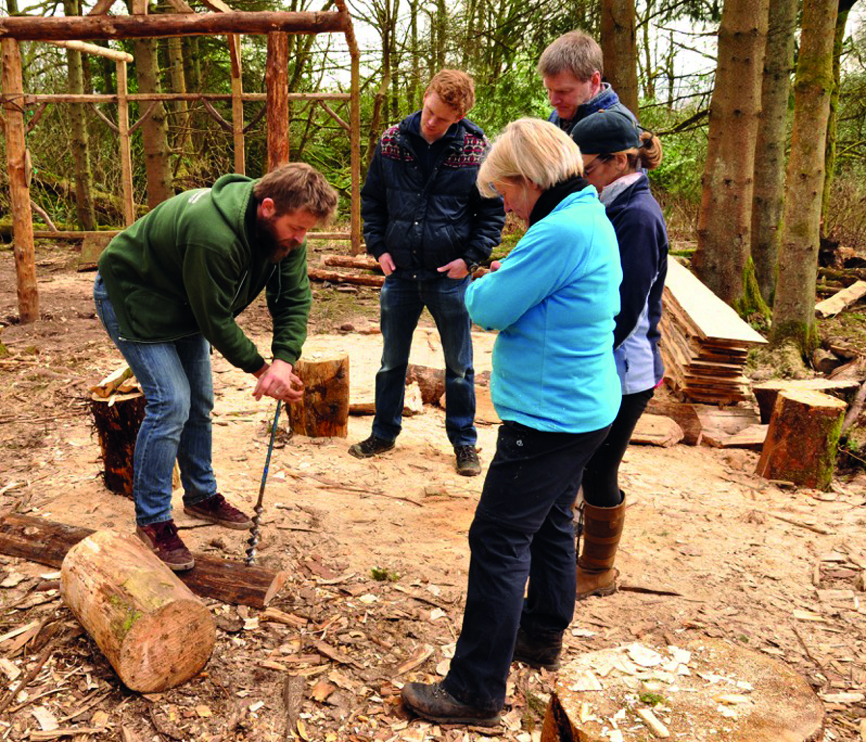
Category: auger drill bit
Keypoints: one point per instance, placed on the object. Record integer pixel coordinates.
(253, 540)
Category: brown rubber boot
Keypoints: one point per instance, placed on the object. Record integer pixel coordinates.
(602, 529)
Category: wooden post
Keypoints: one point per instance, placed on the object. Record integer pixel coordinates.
(155, 633)
(125, 151)
(355, 129)
(277, 83)
(16, 158)
(237, 103)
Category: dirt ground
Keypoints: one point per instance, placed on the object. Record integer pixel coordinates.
(709, 550)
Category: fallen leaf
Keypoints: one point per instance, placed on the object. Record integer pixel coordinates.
(302, 730)
(322, 690)
(644, 656)
(845, 698)
(203, 711)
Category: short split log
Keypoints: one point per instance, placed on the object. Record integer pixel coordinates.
(155, 633)
(324, 409)
(802, 439)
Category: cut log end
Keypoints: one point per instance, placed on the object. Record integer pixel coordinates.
(155, 633)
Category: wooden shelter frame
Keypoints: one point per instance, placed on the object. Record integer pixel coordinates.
(72, 31)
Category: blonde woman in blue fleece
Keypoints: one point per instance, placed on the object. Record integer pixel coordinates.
(556, 389)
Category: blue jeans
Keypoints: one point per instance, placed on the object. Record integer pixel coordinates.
(178, 389)
(522, 529)
(401, 303)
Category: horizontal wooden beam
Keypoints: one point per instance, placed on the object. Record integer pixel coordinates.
(44, 234)
(37, 28)
(29, 99)
(98, 51)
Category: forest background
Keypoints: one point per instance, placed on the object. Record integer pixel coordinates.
(669, 66)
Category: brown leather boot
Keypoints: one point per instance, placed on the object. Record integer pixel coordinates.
(602, 529)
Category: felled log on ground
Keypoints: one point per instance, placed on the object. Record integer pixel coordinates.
(413, 403)
(656, 430)
(324, 409)
(155, 633)
(431, 380)
(601, 685)
(364, 262)
(683, 413)
(46, 542)
(802, 439)
(767, 392)
(319, 274)
(841, 301)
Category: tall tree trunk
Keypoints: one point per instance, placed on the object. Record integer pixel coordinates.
(724, 221)
(441, 34)
(85, 213)
(178, 85)
(412, 91)
(794, 308)
(649, 73)
(154, 130)
(192, 79)
(619, 47)
(769, 196)
(830, 164)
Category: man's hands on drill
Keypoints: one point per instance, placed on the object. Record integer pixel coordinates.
(278, 380)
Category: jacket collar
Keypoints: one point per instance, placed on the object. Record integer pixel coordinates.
(553, 196)
(622, 187)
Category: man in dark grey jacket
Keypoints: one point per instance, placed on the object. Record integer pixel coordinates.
(571, 68)
(429, 228)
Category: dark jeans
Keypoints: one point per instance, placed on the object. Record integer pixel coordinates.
(401, 303)
(601, 478)
(522, 529)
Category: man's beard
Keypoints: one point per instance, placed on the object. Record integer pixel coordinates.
(266, 237)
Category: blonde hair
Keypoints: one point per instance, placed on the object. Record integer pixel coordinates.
(298, 186)
(575, 52)
(455, 89)
(530, 149)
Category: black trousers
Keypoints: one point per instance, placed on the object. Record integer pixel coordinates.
(522, 529)
(601, 478)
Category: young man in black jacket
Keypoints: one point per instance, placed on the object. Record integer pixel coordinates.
(429, 228)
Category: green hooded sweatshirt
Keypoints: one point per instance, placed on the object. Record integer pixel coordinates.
(192, 265)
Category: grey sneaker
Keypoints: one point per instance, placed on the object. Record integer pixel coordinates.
(467, 461)
(373, 446)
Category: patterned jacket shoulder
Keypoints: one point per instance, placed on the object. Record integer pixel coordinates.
(391, 148)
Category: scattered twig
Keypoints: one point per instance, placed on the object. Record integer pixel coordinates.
(793, 522)
(32, 673)
(806, 649)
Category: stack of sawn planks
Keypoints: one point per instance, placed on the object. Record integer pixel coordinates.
(704, 342)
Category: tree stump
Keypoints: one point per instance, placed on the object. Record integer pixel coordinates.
(709, 690)
(802, 439)
(155, 633)
(117, 420)
(324, 410)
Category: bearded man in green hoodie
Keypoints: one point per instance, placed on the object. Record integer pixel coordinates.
(169, 287)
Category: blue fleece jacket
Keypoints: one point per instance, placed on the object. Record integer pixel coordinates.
(643, 248)
(554, 301)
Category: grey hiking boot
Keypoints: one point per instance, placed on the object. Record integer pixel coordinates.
(467, 461)
(432, 701)
(372, 446)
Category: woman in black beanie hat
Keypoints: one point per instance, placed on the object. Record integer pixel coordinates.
(615, 154)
